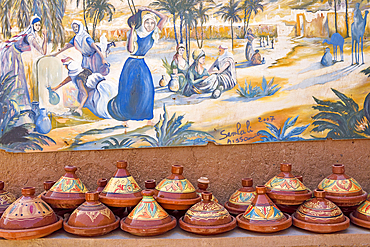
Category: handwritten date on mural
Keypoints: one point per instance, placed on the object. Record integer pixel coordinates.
(267, 119)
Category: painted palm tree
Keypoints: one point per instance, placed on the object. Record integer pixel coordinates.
(171, 7)
(97, 10)
(249, 7)
(201, 14)
(84, 4)
(190, 21)
(230, 12)
(5, 18)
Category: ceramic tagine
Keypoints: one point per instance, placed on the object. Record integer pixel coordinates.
(68, 192)
(203, 184)
(92, 218)
(175, 192)
(47, 186)
(361, 216)
(207, 217)
(122, 189)
(150, 184)
(240, 200)
(28, 217)
(320, 215)
(6, 198)
(148, 218)
(101, 184)
(263, 215)
(343, 190)
(287, 191)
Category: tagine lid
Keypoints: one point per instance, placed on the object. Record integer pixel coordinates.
(361, 216)
(102, 182)
(240, 200)
(92, 218)
(148, 218)
(6, 198)
(320, 215)
(175, 192)
(122, 189)
(203, 183)
(286, 188)
(340, 187)
(263, 215)
(47, 186)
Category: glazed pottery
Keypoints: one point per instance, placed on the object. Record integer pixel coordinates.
(43, 122)
(287, 191)
(122, 189)
(148, 218)
(28, 217)
(263, 215)
(47, 186)
(361, 216)
(101, 184)
(92, 218)
(150, 184)
(203, 184)
(320, 215)
(343, 190)
(68, 192)
(176, 192)
(6, 198)
(207, 217)
(240, 200)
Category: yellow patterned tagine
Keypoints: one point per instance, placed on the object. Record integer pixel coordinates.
(285, 184)
(69, 185)
(346, 186)
(242, 198)
(361, 216)
(124, 185)
(175, 186)
(148, 210)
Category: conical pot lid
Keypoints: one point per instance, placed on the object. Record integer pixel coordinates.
(287, 189)
(6, 198)
(175, 192)
(122, 189)
(263, 215)
(68, 192)
(101, 184)
(320, 215)
(47, 186)
(148, 217)
(203, 184)
(342, 189)
(92, 218)
(361, 216)
(240, 200)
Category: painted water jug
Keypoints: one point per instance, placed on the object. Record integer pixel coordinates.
(54, 98)
(174, 84)
(43, 122)
(36, 110)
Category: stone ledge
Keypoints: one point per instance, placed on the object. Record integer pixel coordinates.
(353, 236)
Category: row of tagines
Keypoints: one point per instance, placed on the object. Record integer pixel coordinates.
(121, 202)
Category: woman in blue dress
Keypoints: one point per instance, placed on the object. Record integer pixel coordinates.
(135, 98)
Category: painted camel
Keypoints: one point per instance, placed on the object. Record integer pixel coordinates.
(357, 33)
(336, 40)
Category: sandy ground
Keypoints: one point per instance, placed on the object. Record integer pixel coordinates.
(294, 63)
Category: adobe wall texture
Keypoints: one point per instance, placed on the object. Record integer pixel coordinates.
(225, 166)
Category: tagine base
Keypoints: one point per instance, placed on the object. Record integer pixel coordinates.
(149, 231)
(288, 198)
(63, 203)
(232, 210)
(31, 233)
(176, 204)
(265, 228)
(359, 222)
(347, 201)
(119, 202)
(207, 230)
(321, 228)
(91, 231)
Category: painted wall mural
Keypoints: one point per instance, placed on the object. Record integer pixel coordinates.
(107, 74)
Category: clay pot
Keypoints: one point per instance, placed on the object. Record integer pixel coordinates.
(6, 198)
(203, 184)
(343, 190)
(320, 215)
(207, 217)
(92, 218)
(68, 192)
(263, 215)
(101, 184)
(287, 191)
(47, 186)
(361, 216)
(148, 218)
(240, 200)
(175, 192)
(122, 189)
(150, 184)
(28, 217)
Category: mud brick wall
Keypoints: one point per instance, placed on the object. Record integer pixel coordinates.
(225, 166)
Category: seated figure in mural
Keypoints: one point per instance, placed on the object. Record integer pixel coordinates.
(11, 57)
(180, 65)
(257, 58)
(92, 57)
(94, 92)
(327, 59)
